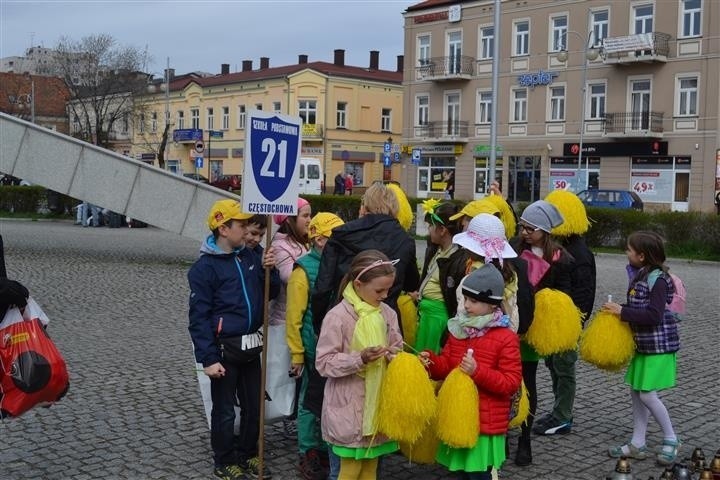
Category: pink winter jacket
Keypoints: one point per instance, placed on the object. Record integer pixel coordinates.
(342, 410)
(286, 252)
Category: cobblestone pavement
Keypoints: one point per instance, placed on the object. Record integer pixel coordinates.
(117, 302)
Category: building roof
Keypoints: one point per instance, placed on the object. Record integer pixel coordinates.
(51, 95)
(432, 4)
(330, 69)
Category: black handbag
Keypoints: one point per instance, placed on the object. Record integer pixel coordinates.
(240, 348)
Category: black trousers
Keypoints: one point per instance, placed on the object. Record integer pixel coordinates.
(241, 381)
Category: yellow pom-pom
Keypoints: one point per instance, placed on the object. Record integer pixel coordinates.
(405, 212)
(556, 324)
(458, 419)
(506, 214)
(408, 317)
(521, 407)
(424, 449)
(607, 342)
(575, 221)
(407, 399)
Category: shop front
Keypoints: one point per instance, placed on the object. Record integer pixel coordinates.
(436, 166)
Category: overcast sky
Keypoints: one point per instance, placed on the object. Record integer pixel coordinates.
(201, 35)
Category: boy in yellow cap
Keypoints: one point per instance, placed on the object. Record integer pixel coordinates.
(226, 319)
(302, 340)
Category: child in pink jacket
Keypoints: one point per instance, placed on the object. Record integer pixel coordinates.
(358, 337)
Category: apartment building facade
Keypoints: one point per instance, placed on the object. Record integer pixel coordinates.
(646, 114)
(348, 113)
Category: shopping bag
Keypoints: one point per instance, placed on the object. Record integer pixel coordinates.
(280, 387)
(32, 371)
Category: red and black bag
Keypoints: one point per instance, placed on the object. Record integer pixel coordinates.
(32, 371)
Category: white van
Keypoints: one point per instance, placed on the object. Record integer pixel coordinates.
(310, 176)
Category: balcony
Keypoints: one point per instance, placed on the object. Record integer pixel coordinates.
(312, 131)
(629, 125)
(457, 67)
(640, 48)
(455, 131)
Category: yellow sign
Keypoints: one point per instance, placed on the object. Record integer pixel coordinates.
(310, 130)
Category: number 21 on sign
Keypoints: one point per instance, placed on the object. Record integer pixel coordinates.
(269, 147)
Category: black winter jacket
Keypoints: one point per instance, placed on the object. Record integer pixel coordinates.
(582, 275)
(373, 231)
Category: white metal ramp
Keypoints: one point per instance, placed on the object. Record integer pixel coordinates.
(101, 177)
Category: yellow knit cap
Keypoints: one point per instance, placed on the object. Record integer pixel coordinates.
(573, 213)
(323, 223)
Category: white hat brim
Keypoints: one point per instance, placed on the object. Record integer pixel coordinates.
(466, 241)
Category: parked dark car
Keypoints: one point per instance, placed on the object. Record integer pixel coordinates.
(196, 176)
(624, 199)
(228, 182)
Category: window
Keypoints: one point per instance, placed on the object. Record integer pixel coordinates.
(180, 119)
(600, 26)
(559, 33)
(258, 106)
(226, 118)
(153, 122)
(356, 170)
(307, 110)
(210, 118)
(125, 123)
(487, 39)
(597, 101)
(454, 44)
(241, 116)
(277, 107)
(423, 50)
(521, 35)
(76, 124)
(691, 17)
(688, 90)
(195, 118)
(452, 113)
(643, 19)
(557, 103)
(519, 98)
(341, 118)
(422, 110)
(141, 127)
(484, 108)
(386, 120)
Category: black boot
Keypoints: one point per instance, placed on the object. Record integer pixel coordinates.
(523, 456)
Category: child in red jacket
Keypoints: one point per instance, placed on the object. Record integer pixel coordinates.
(494, 366)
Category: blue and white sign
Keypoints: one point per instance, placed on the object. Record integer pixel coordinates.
(396, 156)
(185, 135)
(272, 163)
(386, 147)
(386, 159)
(198, 162)
(532, 80)
(416, 154)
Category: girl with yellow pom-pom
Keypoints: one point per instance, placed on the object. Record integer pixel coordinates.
(359, 335)
(549, 267)
(484, 348)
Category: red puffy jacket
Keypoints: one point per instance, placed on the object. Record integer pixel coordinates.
(498, 374)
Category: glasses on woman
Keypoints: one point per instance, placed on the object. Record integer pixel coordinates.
(528, 229)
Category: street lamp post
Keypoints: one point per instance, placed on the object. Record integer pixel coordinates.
(590, 54)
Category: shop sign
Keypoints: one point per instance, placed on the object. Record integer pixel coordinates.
(532, 80)
(617, 149)
(312, 150)
(442, 149)
(431, 17)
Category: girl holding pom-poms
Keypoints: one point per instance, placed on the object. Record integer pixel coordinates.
(549, 267)
(358, 337)
(484, 348)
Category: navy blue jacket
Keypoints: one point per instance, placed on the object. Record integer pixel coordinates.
(227, 286)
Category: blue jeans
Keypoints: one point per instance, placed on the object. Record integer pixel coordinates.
(334, 464)
(243, 381)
